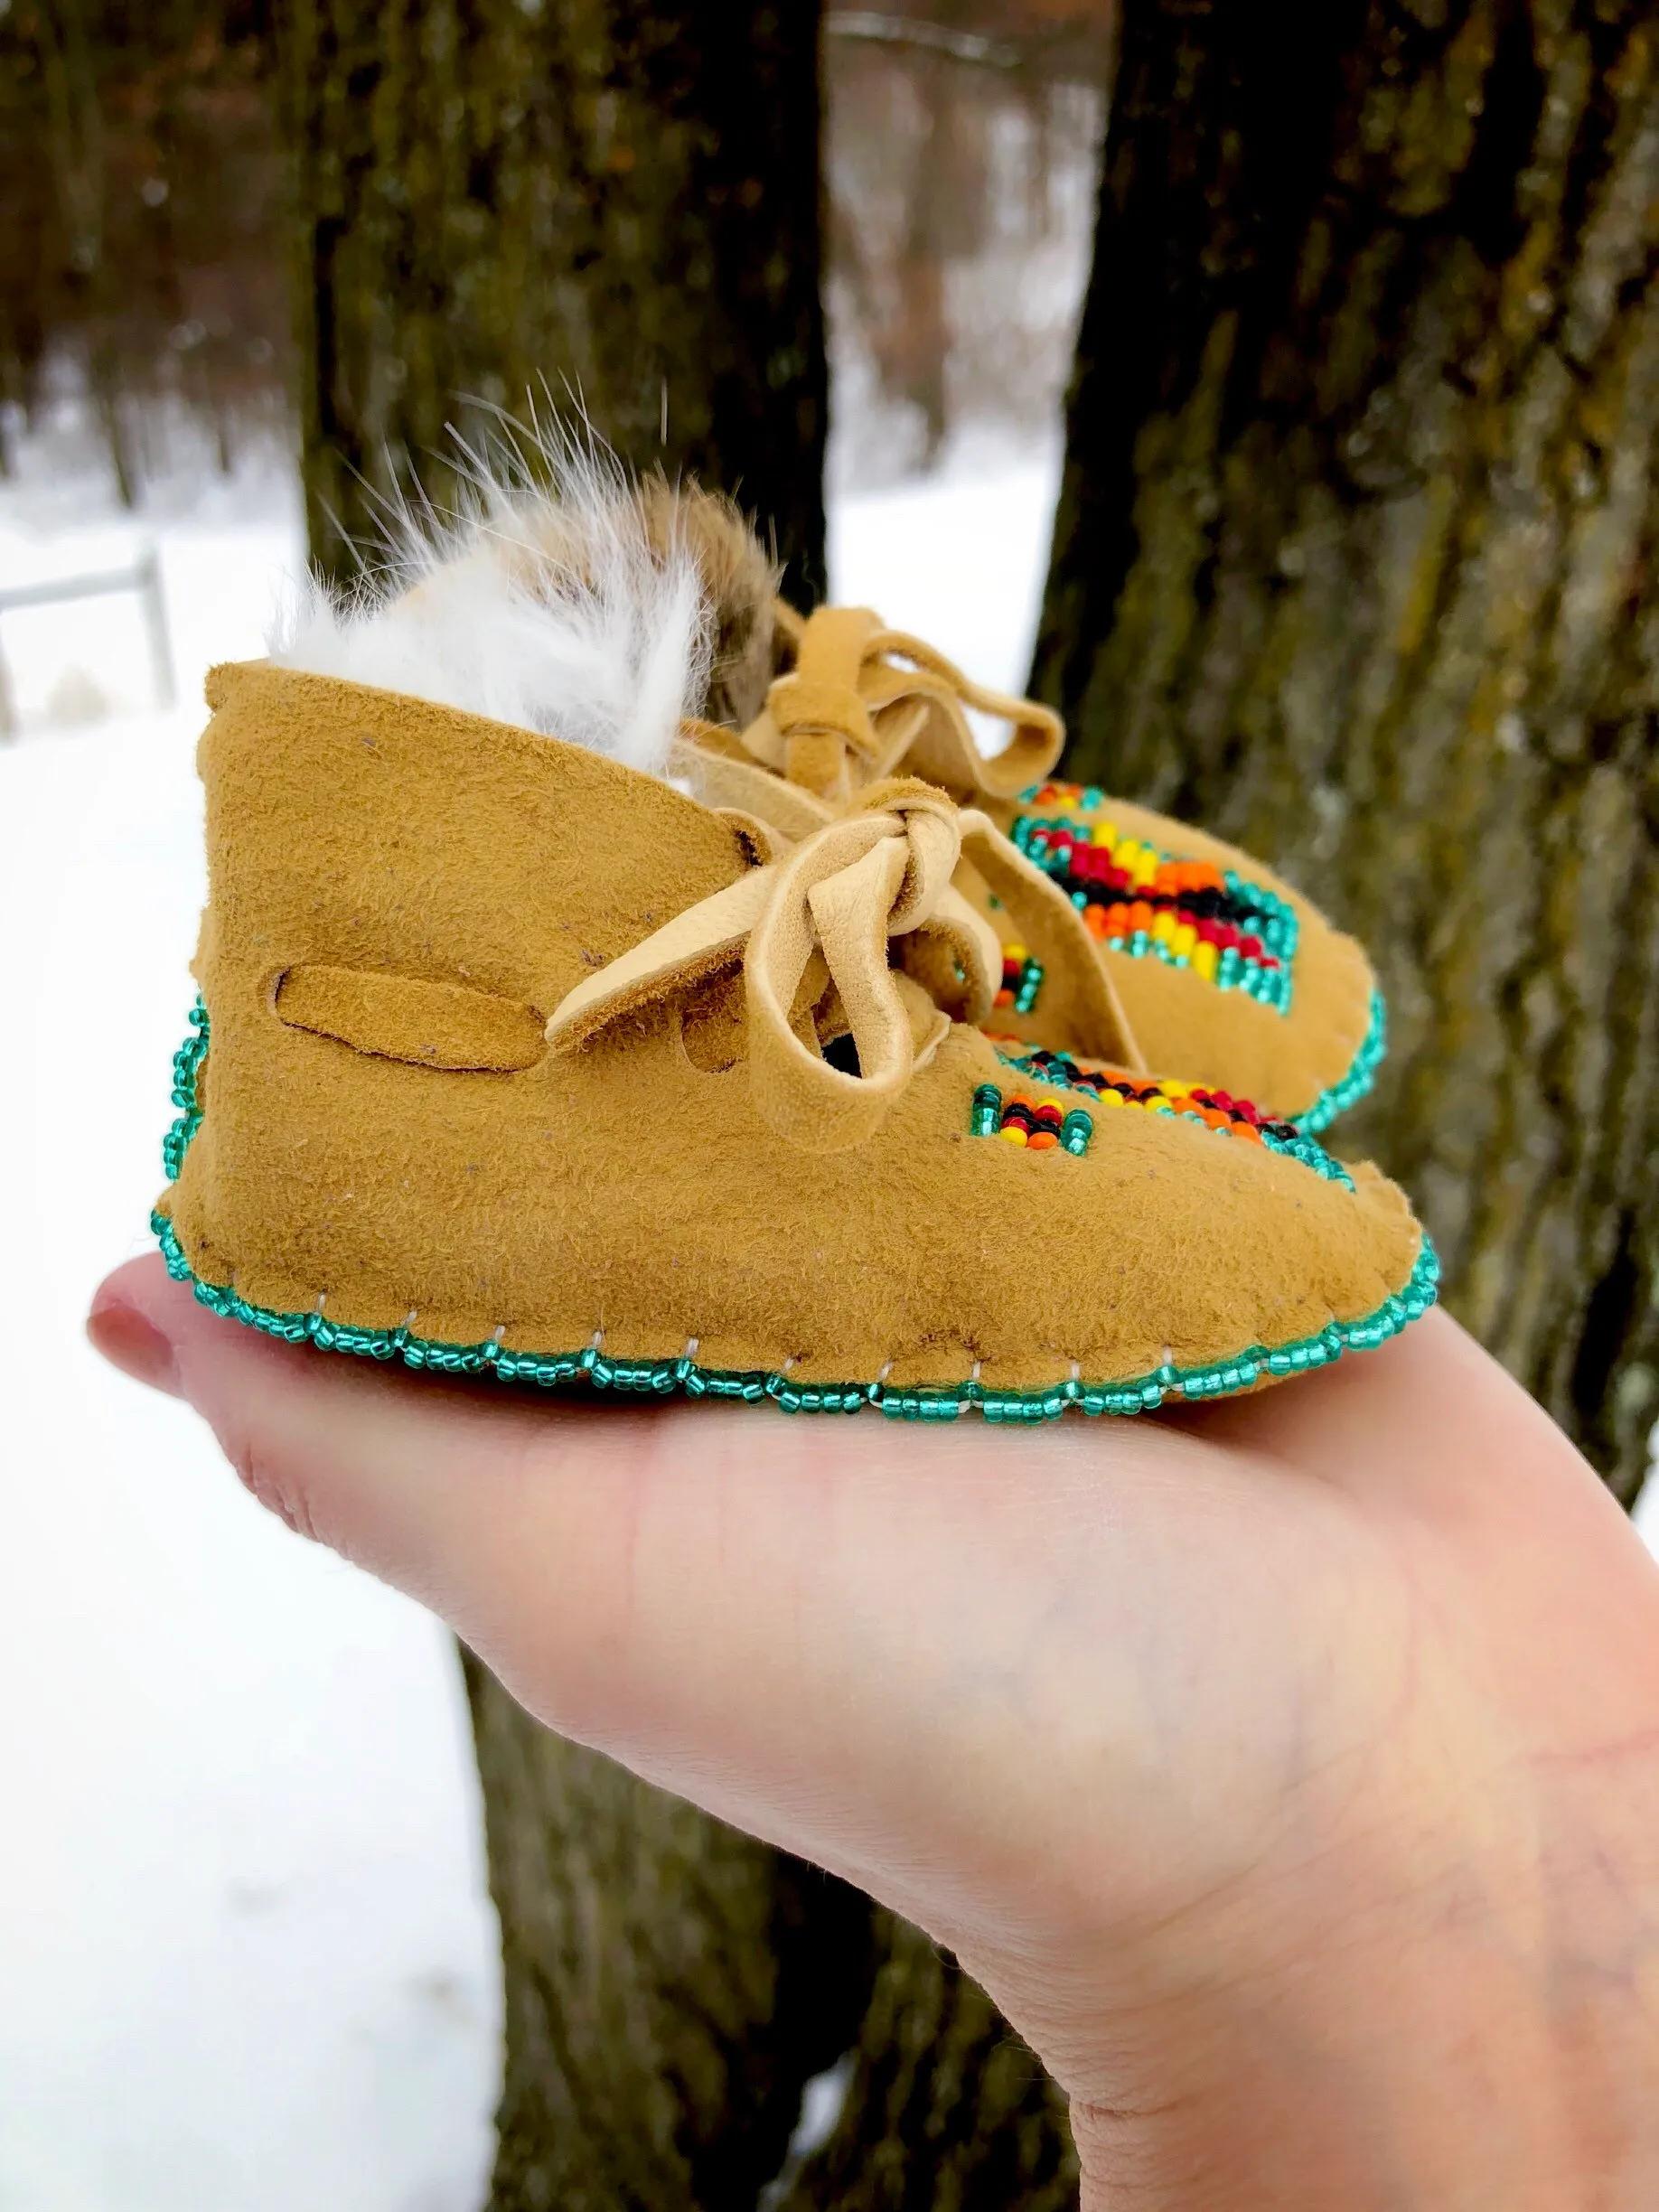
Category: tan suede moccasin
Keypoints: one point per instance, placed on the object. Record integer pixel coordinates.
(516, 1058)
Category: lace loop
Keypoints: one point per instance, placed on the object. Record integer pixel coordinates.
(863, 702)
(860, 927)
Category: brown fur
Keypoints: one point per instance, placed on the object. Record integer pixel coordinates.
(740, 582)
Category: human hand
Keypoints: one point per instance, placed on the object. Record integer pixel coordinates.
(1288, 1768)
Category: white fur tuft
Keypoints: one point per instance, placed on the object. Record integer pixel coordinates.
(543, 603)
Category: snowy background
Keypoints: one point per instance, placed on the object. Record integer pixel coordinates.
(247, 1956)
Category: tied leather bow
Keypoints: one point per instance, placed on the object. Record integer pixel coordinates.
(858, 930)
(860, 703)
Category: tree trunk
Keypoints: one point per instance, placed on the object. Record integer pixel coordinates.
(1356, 562)
(621, 200)
(600, 202)
(671, 1984)
(945, 2109)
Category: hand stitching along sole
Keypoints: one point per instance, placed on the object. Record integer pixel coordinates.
(662, 1378)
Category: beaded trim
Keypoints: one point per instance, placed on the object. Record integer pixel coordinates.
(1022, 980)
(1035, 1123)
(1217, 1109)
(661, 1378)
(1141, 901)
(1361, 1074)
(186, 1087)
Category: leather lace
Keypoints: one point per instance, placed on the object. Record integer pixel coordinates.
(863, 702)
(857, 930)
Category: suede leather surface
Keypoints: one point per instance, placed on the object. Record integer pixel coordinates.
(620, 1191)
(406, 1017)
(1225, 1040)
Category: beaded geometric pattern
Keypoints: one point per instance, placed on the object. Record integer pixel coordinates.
(662, 1378)
(1216, 1110)
(1022, 980)
(1136, 899)
(1037, 1124)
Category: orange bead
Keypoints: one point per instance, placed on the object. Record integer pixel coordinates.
(1042, 1140)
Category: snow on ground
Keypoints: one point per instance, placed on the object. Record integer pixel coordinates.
(243, 1936)
(247, 1958)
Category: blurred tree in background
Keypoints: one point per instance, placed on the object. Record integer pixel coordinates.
(620, 200)
(142, 182)
(960, 160)
(1355, 560)
(146, 262)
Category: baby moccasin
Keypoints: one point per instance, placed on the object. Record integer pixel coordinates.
(1226, 974)
(515, 1057)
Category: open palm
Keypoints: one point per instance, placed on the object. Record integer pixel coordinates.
(1246, 1754)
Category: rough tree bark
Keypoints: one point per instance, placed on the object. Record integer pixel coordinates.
(1355, 560)
(622, 199)
(617, 198)
(945, 2108)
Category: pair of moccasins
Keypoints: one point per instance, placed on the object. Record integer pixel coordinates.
(610, 973)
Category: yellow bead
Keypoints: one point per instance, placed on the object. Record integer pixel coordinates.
(1164, 928)
(1113, 1098)
(1015, 952)
(1103, 833)
(1181, 944)
(1204, 960)
(1172, 1088)
(1012, 1135)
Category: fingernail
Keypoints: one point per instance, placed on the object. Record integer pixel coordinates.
(134, 1344)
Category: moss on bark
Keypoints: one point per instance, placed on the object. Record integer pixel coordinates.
(1355, 561)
